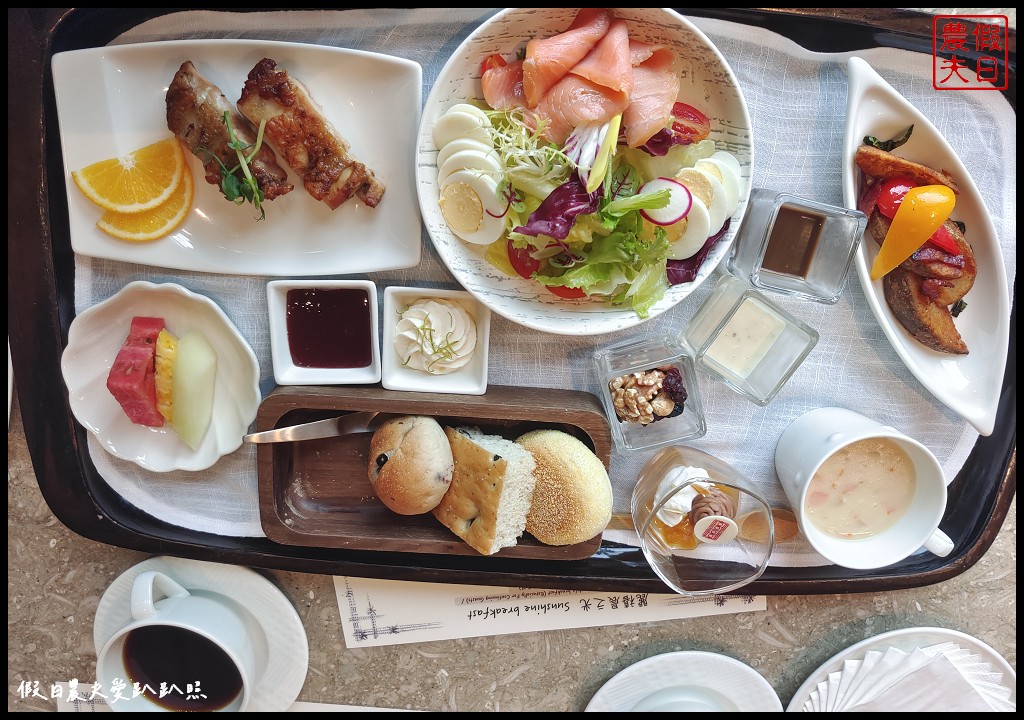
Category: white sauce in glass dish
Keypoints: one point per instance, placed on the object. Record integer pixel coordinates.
(746, 338)
(437, 336)
(861, 490)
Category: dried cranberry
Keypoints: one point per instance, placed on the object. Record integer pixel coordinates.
(673, 386)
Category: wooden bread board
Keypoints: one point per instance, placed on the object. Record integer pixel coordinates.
(317, 493)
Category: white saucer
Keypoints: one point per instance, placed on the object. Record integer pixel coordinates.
(691, 680)
(906, 639)
(273, 616)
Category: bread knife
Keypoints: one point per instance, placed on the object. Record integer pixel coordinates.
(357, 422)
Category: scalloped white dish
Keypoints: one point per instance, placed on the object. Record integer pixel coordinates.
(96, 335)
(707, 81)
(968, 384)
(111, 100)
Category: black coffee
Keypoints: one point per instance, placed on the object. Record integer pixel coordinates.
(194, 673)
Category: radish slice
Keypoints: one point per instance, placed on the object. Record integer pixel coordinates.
(679, 201)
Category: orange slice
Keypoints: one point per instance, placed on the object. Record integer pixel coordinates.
(157, 222)
(136, 182)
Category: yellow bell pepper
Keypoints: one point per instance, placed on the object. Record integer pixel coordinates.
(923, 211)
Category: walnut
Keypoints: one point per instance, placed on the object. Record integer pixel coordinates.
(663, 405)
(632, 396)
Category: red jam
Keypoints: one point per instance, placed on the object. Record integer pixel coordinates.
(329, 328)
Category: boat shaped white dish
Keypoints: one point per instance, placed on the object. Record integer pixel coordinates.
(969, 384)
(111, 100)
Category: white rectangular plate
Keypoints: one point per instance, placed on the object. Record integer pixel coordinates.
(111, 100)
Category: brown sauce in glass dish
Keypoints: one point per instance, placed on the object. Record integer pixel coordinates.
(792, 241)
(329, 328)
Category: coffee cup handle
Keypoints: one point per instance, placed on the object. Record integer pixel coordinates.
(939, 544)
(150, 588)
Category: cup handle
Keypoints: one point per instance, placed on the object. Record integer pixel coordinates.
(148, 589)
(939, 544)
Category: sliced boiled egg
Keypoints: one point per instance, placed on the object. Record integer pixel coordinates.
(462, 144)
(727, 176)
(730, 159)
(695, 234)
(456, 124)
(472, 110)
(707, 187)
(483, 162)
(470, 205)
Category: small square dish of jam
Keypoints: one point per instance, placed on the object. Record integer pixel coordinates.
(434, 340)
(324, 332)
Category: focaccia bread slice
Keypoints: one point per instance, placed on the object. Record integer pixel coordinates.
(492, 486)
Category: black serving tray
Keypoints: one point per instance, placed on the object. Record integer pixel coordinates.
(41, 308)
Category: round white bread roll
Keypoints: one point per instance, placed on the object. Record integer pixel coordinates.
(411, 464)
(572, 500)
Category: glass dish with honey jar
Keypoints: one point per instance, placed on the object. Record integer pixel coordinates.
(703, 526)
(796, 246)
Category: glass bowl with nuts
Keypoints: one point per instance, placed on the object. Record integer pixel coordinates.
(650, 394)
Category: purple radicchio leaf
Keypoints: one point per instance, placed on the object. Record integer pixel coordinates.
(662, 141)
(684, 271)
(558, 211)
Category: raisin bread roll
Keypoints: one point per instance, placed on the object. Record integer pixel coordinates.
(411, 464)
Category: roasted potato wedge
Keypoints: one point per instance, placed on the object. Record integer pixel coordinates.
(882, 164)
(928, 321)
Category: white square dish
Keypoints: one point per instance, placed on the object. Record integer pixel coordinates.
(112, 100)
(324, 332)
(469, 379)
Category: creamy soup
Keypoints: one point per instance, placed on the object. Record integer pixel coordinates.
(861, 490)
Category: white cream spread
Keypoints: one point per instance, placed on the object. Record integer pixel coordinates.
(673, 512)
(437, 336)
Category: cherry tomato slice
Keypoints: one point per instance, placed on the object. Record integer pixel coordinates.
(521, 261)
(891, 195)
(569, 293)
(492, 61)
(690, 122)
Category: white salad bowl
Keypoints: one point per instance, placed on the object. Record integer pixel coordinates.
(707, 82)
(96, 335)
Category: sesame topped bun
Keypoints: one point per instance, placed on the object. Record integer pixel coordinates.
(572, 500)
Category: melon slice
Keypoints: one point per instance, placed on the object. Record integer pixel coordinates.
(193, 382)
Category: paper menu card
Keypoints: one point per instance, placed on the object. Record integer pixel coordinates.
(379, 612)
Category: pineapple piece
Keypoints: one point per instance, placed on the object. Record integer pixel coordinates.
(166, 351)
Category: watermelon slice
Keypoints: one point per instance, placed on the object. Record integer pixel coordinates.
(132, 377)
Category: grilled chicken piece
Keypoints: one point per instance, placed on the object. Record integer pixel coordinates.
(307, 141)
(195, 114)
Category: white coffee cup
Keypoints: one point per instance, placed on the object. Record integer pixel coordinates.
(815, 437)
(199, 647)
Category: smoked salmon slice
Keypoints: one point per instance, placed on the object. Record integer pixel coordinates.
(575, 101)
(655, 90)
(503, 86)
(548, 60)
(609, 63)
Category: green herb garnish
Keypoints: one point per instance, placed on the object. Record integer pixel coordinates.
(888, 145)
(239, 191)
(958, 307)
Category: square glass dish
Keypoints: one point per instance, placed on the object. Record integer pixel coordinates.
(650, 393)
(435, 340)
(747, 341)
(796, 246)
(324, 332)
